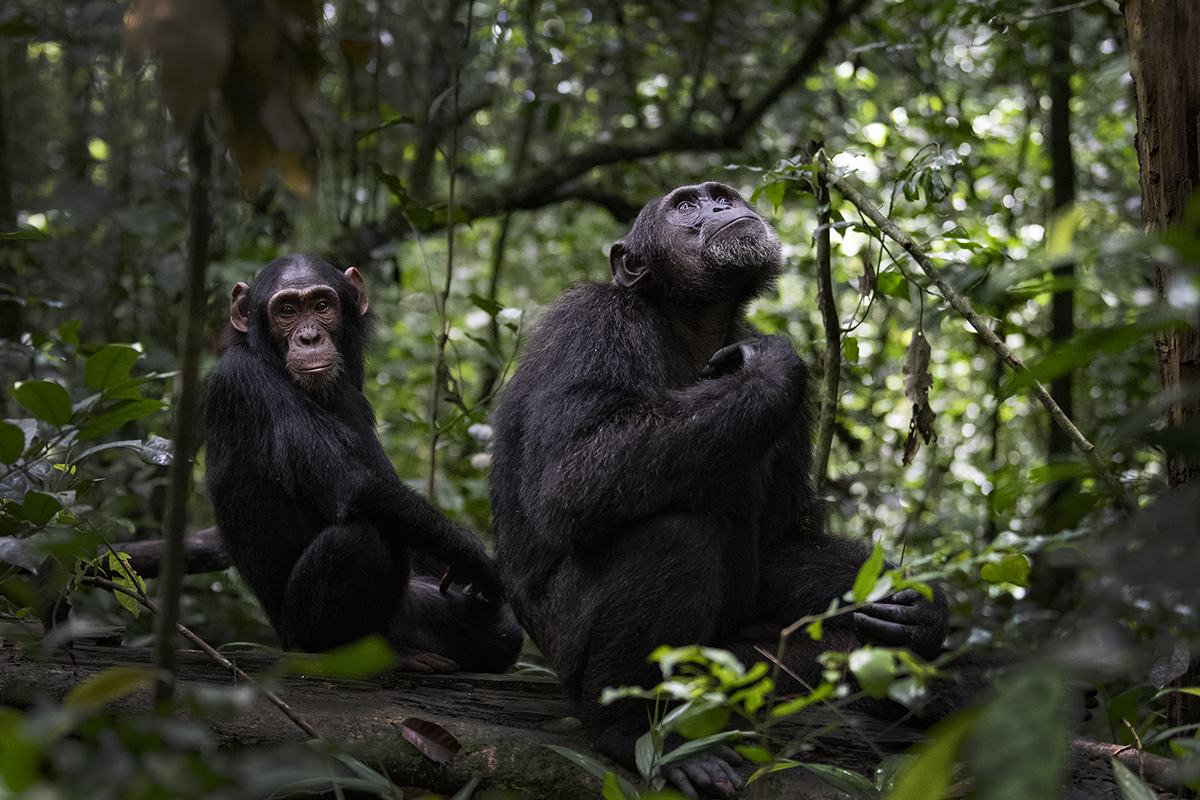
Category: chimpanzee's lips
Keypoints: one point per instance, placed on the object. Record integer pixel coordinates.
(316, 368)
(734, 221)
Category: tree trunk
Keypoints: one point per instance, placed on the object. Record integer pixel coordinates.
(1164, 51)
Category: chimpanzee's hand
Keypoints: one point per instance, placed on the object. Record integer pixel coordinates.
(485, 586)
(904, 619)
(711, 773)
(730, 358)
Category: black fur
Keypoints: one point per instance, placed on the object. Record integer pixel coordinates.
(312, 513)
(651, 479)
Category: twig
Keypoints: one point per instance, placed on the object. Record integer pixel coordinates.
(104, 583)
(833, 332)
(963, 306)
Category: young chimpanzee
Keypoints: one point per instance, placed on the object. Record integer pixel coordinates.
(309, 507)
(651, 481)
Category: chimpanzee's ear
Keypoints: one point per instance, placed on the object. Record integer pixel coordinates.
(357, 282)
(627, 269)
(238, 301)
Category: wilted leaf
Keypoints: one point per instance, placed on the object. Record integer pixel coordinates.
(107, 686)
(431, 739)
(917, 383)
(1169, 666)
(194, 43)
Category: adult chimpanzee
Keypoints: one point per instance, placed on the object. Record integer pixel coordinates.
(651, 477)
(309, 507)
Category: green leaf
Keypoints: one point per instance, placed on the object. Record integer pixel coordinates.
(774, 192)
(928, 774)
(28, 233)
(110, 365)
(1013, 568)
(553, 114)
(118, 415)
(20, 757)
(844, 780)
(368, 656)
(697, 746)
(46, 400)
(814, 630)
(892, 284)
(99, 690)
(485, 304)
(850, 349)
(1132, 787)
(701, 719)
(612, 788)
(875, 668)
(12, 443)
(69, 331)
(753, 753)
(868, 574)
(593, 766)
(822, 692)
(39, 508)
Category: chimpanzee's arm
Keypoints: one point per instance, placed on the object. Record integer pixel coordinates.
(606, 451)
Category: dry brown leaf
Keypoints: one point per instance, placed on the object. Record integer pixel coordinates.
(917, 383)
(431, 739)
(194, 43)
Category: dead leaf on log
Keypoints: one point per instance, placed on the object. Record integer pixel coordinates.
(917, 383)
(431, 739)
(261, 59)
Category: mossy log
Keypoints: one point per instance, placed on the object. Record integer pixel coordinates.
(501, 722)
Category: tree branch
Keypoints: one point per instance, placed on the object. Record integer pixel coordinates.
(963, 306)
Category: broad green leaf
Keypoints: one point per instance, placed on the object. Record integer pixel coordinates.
(928, 774)
(99, 690)
(1062, 232)
(892, 284)
(118, 415)
(753, 753)
(110, 365)
(368, 656)
(69, 331)
(814, 630)
(46, 400)
(697, 746)
(702, 720)
(774, 192)
(825, 690)
(612, 788)
(850, 348)
(12, 443)
(20, 757)
(844, 780)
(1132, 787)
(1012, 568)
(27, 233)
(874, 668)
(644, 753)
(868, 574)
(39, 508)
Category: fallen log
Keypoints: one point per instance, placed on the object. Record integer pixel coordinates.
(501, 722)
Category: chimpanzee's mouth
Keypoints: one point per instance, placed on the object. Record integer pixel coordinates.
(316, 367)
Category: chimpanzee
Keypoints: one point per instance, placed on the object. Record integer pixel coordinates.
(309, 507)
(651, 480)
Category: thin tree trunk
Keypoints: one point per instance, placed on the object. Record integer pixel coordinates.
(187, 395)
(1164, 51)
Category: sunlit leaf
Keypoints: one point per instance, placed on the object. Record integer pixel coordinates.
(874, 668)
(367, 656)
(868, 574)
(1012, 568)
(1132, 787)
(929, 773)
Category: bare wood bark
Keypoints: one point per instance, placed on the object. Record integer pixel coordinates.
(832, 362)
(202, 552)
(1164, 52)
(187, 401)
(963, 306)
